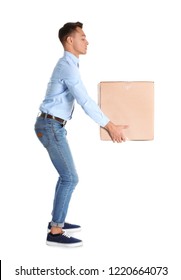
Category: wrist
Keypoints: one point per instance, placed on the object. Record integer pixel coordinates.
(109, 125)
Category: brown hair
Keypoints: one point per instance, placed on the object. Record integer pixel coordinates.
(68, 29)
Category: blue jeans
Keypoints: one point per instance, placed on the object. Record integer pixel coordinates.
(52, 134)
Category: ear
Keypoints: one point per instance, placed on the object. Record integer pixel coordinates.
(69, 40)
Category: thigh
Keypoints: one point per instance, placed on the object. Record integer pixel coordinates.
(53, 136)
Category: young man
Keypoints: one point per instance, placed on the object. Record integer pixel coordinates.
(64, 87)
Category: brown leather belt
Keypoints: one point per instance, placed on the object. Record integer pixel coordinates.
(44, 115)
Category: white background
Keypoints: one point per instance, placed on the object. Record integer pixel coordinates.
(128, 200)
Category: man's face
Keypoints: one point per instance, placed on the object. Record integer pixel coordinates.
(79, 42)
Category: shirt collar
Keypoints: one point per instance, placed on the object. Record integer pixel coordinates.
(72, 57)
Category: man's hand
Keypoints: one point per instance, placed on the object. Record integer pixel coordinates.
(116, 132)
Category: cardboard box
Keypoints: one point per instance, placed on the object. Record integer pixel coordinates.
(129, 103)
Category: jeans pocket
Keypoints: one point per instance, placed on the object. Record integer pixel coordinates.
(58, 130)
(42, 136)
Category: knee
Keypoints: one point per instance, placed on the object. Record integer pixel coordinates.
(70, 180)
(74, 180)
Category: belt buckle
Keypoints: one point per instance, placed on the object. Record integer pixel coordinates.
(64, 123)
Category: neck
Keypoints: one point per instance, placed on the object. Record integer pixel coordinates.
(72, 51)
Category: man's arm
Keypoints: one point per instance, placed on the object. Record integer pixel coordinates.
(78, 90)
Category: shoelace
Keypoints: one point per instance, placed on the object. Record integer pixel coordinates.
(66, 235)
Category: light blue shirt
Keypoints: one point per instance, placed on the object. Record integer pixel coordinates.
(65, 86)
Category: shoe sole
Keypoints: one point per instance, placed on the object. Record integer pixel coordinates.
(68, 230)
(50, 243)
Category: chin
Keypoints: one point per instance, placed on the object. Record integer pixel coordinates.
(84, 52)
